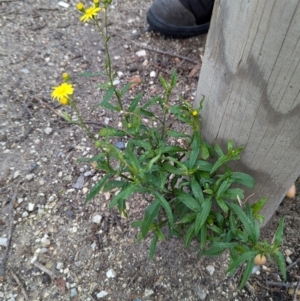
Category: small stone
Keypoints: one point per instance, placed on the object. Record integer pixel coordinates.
(3, 241)
(24, 70)
(288, 252)
(255, 269)
(79, 183)
(45, 242)
(200, 292)
(210, 269)
(16, 174)
(120, 145)
(88, 173)
(59, 265)
(120, 74)
(73, 292)
(101, 294)
(116, 82)
(94, 246)
(85, 190)
(63, 4)
(30, 207)
(33, 259)
(97, 219)
(25, 214)
(141, 53)
(48, 131)
(29, 177)
(148, 293)
(288, 260)
(107, 195)
(111, 273)
(152, 74)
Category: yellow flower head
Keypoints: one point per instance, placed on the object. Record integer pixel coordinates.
(90, 13)
(64, 101)
(195, 113)
(62, 91)
(80, 7)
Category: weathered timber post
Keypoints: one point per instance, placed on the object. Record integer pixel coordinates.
(250, 78)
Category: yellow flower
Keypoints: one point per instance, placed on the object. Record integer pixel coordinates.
(62, 91)
(64, 101)
(195, 113)
(80, 7)
(90, 13)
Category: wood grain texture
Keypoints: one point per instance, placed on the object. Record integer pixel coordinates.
(250, 78)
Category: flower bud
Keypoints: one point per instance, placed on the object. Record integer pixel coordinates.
(64, 101)
(195, 113)
(66, 77)
(96, 3)
(80, 7)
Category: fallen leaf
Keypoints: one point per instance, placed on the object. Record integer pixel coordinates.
(135, 80)
(195, 71)
(61, 285)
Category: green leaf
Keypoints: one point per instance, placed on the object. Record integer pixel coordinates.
(223, 188)
(126, 88)
(105, 102)
(171, 169)
(233, 193)
(114, 184)
(90, 74)
(137, 224)
(111, 132)
(197, 190)
(244, 257)
(173, 78)
(203, 236)
(124, 194)
(66, 116)
(97, 188)
(160, 234)
(188, 201)
(175, 134)
(195, 149)
(218, 248)
(203, 165)
(218, 150)
(135, 102)
(204, 151)
(153, 246)
(222, 205)
(163, 202)
(150, 213)
(279, 234)
(164, 83)
(256, 207)
(152, 101)
(247, 272)
(243, 179)
(202, 216)
(188, 218)
(189, 235)
(281, 263)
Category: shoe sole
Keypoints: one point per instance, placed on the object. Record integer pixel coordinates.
(158, 25)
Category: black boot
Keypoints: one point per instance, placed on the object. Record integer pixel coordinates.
(180, 18)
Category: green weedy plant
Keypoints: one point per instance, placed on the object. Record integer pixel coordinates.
(187, 182)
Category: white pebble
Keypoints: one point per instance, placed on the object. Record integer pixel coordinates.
(141, 53)
(101, 294)
(288, 260)
(148, 293)
(33, 259)
(30, 207)
(111, 273)
(25, 214)
(97, 219)
(288, 252)
(16, 174)
(48, 131)
(116, 82)
(3, 241)
(152, 74)
(63, 4)
(45, 242)
(210, 269)
(59, 265)
(29, 177)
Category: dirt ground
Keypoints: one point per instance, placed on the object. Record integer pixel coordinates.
(61, 249)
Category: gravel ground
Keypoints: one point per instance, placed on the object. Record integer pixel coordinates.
(61, 249)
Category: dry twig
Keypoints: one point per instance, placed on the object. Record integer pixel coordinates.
(44, 269)
(296, 290)
(19, 283)
(9, 235)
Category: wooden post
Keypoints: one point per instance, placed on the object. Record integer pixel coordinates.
(250, 78)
